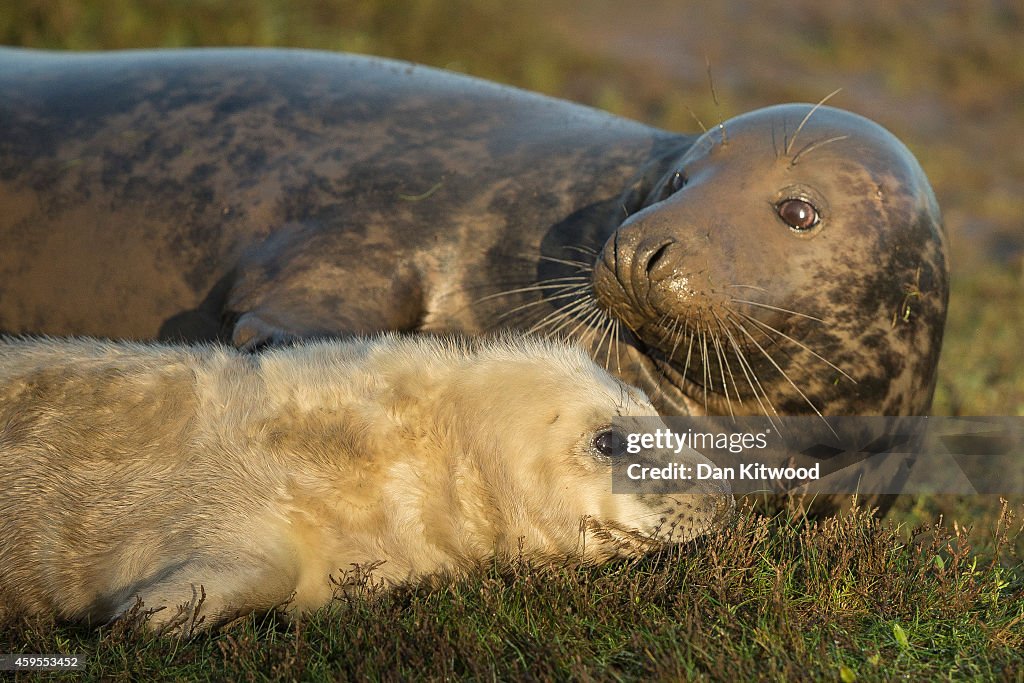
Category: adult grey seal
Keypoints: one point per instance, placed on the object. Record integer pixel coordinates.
(791, 260)
(153, 471)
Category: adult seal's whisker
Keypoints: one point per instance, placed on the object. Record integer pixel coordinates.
(554, 283)
(782, 372)
(585, 323)
(724, 356)
(765, 326)
(750, 375)
(562, 316)
(803, 122)
(776, 308)
(582, 266)
(572, 293)
(583, 249)
(815, 145)
(578, 315)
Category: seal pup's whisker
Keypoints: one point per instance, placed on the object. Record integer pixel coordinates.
(823, 100)
(768, 328)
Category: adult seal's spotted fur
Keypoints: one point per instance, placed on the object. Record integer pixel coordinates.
(791, 260)
(161, 472)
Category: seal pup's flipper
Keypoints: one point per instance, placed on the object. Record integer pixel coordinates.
(194, 599)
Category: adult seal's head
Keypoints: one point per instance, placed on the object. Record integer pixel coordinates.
(793, 261)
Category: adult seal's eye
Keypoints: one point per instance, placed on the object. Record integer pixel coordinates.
(798, 214)
(678, 181)
(609, 443)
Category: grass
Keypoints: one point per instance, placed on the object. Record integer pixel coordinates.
(771, 598)
(980, 372)
(774, 598)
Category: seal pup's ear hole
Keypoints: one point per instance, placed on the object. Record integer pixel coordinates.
(799, 214)
(609, 442)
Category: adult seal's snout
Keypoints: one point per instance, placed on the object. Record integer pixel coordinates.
(642, 277)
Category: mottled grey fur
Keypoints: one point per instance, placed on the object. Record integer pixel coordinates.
(262, 195)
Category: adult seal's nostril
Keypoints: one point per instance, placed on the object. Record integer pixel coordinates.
(654, 257)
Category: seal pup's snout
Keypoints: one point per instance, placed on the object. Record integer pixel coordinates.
(682, 505)
(724, 506)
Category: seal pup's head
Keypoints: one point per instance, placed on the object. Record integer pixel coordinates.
(792, 261)
(539, 429)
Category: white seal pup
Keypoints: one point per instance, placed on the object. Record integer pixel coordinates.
(143, 471)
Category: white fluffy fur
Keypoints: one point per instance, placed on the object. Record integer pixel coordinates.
(143, 470)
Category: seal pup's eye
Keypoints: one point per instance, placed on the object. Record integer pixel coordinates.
(678, 181)
(799, 214)
(609, 443)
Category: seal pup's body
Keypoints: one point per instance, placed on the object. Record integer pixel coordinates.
(148, 471)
